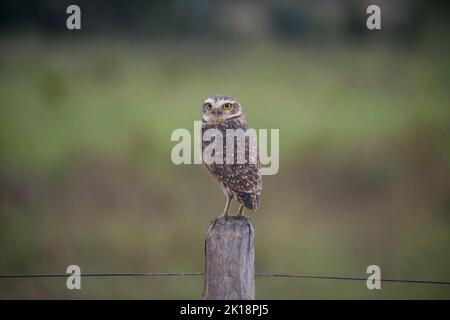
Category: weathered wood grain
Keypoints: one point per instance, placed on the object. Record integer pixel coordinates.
(230, 260)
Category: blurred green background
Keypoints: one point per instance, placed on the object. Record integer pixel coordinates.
(86, 117)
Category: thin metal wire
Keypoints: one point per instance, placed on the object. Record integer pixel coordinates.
(177, 274)
(285, 275)
(116, 274)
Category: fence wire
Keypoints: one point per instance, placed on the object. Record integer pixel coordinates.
(179, 274)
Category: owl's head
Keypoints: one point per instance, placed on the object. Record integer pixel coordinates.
(220, 108)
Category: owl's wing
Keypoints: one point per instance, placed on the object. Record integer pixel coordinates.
(246, 184)
(241, 177)
(245, 177)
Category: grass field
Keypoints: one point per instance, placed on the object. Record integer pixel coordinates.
(86, 176)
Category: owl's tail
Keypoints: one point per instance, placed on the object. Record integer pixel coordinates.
(248, 200)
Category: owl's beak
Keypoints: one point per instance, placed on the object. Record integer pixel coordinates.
(218, 111)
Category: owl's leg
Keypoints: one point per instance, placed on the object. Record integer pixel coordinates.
(240, 213)
(227, 206)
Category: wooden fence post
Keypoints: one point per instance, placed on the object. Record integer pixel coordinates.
(230, 260)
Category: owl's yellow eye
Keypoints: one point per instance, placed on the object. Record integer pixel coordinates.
(226, 106)
(208, 106)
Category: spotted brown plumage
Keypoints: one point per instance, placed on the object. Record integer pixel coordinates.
(239, 180)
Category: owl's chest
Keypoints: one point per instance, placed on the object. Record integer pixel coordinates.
(217, 133)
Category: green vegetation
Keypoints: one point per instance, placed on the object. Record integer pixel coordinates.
(86, 176)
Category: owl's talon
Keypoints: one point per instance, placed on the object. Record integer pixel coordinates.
(223, 216)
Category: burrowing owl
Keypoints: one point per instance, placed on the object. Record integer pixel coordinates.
(239, 178)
